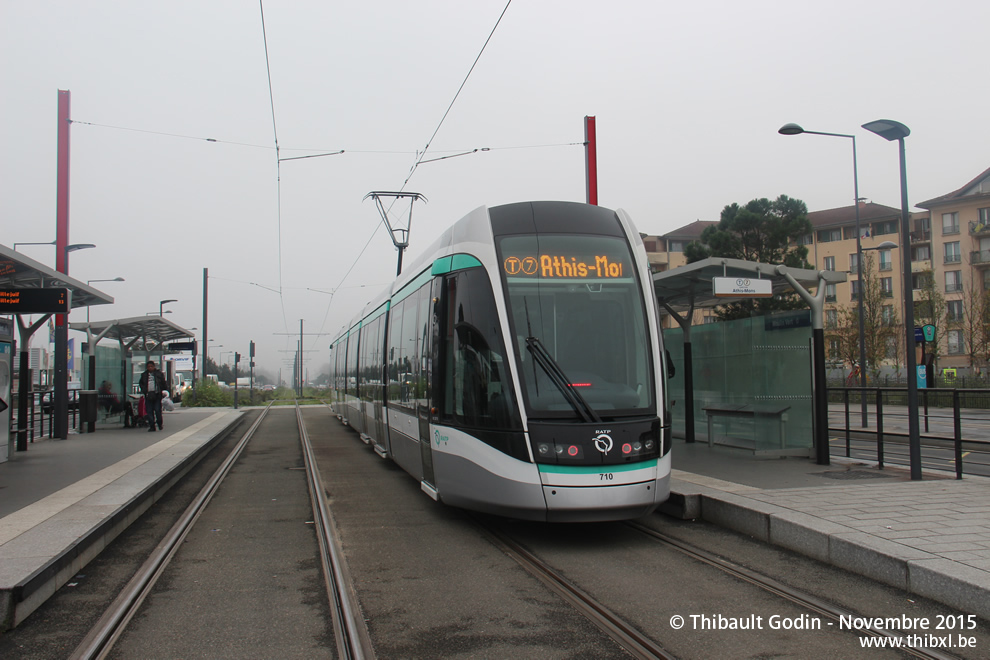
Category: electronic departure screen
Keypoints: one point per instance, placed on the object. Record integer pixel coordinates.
(567, 266)
(34, 301)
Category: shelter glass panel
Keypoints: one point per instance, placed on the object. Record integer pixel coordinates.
(763, 363)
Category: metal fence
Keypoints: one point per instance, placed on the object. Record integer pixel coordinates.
(947, 418)
(40, 415)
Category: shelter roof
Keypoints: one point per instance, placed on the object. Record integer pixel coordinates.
(20, 272)
(146, 328)
(677, 286)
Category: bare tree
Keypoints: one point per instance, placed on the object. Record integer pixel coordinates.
(930, 309)
(975, 323)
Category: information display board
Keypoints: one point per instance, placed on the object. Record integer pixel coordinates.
(35, 301)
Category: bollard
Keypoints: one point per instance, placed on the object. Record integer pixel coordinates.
(924, 396)
(845, 397)
(957, 423)
(879, 428)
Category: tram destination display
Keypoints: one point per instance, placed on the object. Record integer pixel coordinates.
(35, 301)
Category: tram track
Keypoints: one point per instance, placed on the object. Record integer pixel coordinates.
(796, 596)
(621, 631)
(351, 634)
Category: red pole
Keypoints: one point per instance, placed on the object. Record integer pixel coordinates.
(62, 188)
(591, 160)
(60, 426)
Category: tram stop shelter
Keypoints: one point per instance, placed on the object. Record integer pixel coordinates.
(756, 383)
(19, 273)
(139, 334)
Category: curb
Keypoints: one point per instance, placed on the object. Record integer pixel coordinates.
(21, 599)
(951, 583)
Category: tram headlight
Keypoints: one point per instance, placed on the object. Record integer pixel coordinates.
(544, 450)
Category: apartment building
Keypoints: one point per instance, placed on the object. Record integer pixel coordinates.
(953, 250)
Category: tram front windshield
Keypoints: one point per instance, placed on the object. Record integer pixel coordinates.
(580, 297)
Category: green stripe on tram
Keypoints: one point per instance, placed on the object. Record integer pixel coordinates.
(445, 265)
(596, 469)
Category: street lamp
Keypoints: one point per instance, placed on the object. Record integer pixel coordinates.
(88, 282)
(893, 130)
(16, 244)
(795, 129)
(162, 303)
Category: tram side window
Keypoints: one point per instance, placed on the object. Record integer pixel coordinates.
(375, 357)
(352, 363)
(369, 380)
(409, 364)
(477, 388)
(394, 354)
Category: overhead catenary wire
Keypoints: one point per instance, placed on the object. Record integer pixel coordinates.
(421, 155)
(278, 163)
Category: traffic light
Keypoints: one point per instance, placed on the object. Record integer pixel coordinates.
(237, 357)
(251, 353)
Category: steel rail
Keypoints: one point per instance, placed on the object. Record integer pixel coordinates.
(624, 634)
(104, 634)
(780, 589)
(350, 629)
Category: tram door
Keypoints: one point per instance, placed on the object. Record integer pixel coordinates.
(426, 407)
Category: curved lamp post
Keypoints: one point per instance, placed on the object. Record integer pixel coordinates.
(894, 130)
(795, 129)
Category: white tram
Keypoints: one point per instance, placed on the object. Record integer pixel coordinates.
(516, 367)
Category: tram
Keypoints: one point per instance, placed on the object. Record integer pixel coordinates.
(516, 367)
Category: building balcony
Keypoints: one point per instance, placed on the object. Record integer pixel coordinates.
(953, 288)
(921, 236)
(830, 298)
(979, 229)
(886, 265)
(887, 294)
(921, 265)
(953, 259)
(980, 258)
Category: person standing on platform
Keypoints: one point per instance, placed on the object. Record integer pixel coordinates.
(152, 384)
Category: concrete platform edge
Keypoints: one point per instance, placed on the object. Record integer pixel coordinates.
(18, 601)
(886, 561)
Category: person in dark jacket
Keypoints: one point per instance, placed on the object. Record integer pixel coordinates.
(152, 384)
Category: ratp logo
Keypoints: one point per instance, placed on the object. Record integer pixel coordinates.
(603, 442)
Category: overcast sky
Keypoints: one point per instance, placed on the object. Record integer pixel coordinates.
(688, 98)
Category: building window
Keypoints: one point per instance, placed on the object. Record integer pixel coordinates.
(953, 281)
(807, 239)
(952, 253)
(854, 264)
(921, 280)
(651, 246)
(710, 318)
(829, 235)
(887, 314)
(891, 348)
(887, 287)
(984, 217)
(834, 351)
(883, 228)
(831, 318)
(829, 263)
(956, 346)
(885, 262)
(954, 310)
(986, 280)
(675, 246)
(855, 289)
(921, 253)
(829, 293)
(950, 223)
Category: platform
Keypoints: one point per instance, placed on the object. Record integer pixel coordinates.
(62, 501)
(929, 537)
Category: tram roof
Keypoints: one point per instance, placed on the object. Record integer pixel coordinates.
(21, 272)
(678, 286)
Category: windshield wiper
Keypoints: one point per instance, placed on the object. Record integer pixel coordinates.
(559, 378)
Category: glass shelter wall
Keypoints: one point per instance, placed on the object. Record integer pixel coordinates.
(760, 365)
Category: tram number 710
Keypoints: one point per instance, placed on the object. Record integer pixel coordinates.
(605, 476)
